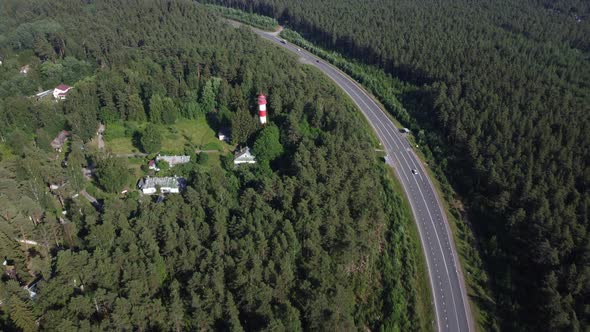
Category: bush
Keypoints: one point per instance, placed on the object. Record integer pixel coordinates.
(112, 174)
(151, 139)
(130, 129)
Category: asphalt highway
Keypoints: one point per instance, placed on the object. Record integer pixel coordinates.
(446, 279)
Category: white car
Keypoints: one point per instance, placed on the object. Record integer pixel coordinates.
(298, 50)
(415, 172)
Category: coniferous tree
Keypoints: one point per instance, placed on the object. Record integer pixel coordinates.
(243, 124)
(151, 139)
(135, 111)
(267, 146)
(156, 109)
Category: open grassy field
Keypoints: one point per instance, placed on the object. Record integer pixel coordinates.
(196, 134)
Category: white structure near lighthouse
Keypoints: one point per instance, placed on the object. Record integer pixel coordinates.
(262, 108)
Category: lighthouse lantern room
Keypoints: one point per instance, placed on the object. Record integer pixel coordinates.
(262, 108)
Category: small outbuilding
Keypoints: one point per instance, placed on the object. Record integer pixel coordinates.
(224, 134)
(152, 165)
(174, 160)
(9, 268)
(44, 94)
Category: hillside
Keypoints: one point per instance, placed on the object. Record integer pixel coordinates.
(499, 92)
(311, 237)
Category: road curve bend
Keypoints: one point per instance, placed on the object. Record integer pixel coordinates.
(445, 274)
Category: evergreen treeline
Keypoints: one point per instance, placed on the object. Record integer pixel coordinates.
(311, 238)
(504, 94)
(259, 21)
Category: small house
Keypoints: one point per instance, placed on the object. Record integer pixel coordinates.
(59, 140)
(244, 156)
(61, 91)
(24, 70)
(152, 165)
(166, 185)
(9, 268)
(224, 134)
(55, 186)
(32, 287)
(174, 160)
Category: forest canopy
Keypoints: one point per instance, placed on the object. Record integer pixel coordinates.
(312, 238)
(500, 91)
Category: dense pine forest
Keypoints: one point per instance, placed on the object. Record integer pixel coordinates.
(312, 237)
(500, 91)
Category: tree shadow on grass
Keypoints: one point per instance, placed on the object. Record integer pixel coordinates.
(136, 141)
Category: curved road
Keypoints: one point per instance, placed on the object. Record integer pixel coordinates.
(446, 279)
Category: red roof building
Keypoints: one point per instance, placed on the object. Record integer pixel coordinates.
(61, 91)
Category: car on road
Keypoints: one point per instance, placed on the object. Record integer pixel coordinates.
(283, 41)
(318, 61)
(415, 172)
(298, 50)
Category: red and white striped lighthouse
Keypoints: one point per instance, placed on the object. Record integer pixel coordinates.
(262, 108)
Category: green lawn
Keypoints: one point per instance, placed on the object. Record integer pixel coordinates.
(121, 145)
(184, 133)
(195, 133)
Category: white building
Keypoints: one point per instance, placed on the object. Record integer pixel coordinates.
(174, 160)
(44, 94)
(244, 156)
(172, 185)
(61, 91)
(223, 134)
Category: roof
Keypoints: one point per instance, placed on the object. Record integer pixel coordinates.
(168, 182)
(152, 163)
(60, 139)
(63, 87)
(174, 160)
(244, 155)
(44, 93)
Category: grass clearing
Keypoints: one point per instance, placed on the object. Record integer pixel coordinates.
(191, 133)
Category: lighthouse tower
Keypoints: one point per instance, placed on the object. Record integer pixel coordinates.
(262, 108)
